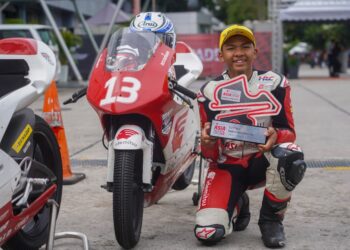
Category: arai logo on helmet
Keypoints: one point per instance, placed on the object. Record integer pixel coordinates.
(147, 24)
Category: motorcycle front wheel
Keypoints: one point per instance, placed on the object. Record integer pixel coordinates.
(46, 151)
(128, 197)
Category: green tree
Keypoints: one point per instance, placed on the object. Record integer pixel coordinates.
(172, 6)
(218, 7)
(240, 11)
(72, 41)
(339, 32)
(234, 11)
(317, 34)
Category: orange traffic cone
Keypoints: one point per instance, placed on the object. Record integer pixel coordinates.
(52, 115)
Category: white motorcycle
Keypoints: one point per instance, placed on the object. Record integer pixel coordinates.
(30, 162)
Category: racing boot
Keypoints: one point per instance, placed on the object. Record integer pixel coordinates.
(209, 235)
(243, 217)
(270, 223)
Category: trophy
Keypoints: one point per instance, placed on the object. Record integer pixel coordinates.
(243, 114)
(238, 132)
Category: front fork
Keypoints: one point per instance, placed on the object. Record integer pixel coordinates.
(132, 137)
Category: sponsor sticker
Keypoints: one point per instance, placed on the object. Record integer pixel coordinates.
(166, 55)
(47, 58)
(166, 122)
(22, 139)
(231, 95)
(265, 78)
(126, 134)
(147, 24)
(207, 186)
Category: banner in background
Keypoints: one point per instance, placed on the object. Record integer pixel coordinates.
(206, 47)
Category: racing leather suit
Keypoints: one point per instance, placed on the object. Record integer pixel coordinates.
(236, 166)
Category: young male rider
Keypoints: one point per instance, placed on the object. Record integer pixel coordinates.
(237, 166)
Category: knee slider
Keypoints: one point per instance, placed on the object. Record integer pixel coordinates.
(291, 165)
(210, 233)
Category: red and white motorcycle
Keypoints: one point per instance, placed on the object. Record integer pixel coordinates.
(30, 161)
(151, 125)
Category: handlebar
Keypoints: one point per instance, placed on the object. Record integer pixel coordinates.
(76, 96)
(175, 86)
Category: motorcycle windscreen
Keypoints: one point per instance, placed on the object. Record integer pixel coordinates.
(130, 51)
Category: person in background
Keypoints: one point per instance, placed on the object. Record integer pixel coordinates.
(334, 65)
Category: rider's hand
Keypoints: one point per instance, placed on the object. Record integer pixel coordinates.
(206, 139)
(271, 134)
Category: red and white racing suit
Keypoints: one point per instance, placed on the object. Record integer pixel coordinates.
(236, 166)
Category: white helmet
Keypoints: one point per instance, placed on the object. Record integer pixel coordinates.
(155, 22)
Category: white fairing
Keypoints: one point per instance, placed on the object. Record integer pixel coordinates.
(185, 128)
(192, 63)
(9, 177)
(131, 137)
(42, 68)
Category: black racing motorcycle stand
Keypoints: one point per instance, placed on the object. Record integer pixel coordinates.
(52, 236)
(197, 195)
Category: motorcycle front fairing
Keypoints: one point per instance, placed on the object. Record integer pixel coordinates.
(118, 91)
(122, 88)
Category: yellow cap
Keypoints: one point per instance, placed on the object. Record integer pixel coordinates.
(236, 30)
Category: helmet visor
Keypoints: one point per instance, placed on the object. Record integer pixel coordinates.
(167, 38)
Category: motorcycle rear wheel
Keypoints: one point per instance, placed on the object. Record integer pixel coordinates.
(185, 178)
(46, 151)
(128, 197)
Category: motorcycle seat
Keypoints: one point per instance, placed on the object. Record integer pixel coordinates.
(13, 74)
(25, 61)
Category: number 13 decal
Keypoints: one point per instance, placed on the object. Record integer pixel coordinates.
(131, 90)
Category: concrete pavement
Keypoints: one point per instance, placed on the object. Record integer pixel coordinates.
(319, 216)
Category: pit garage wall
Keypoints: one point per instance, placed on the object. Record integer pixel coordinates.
(206, 47)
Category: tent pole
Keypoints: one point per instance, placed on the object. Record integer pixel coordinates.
(277, 36)
(86, 27)
(2, 7)
(61, 41)
(108, 33)
(145, 6)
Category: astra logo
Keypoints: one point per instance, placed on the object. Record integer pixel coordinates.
(126, 133)
(147, 24)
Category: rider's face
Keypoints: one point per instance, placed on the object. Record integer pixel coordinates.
(238, 53)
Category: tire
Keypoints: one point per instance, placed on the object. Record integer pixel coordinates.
(128, 197)
(185, 178)
(46, 150)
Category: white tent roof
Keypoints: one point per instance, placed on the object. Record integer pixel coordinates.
(317, 10)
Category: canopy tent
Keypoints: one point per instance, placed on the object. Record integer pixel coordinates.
(282, 11)
(316, 10)
(104, 16)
